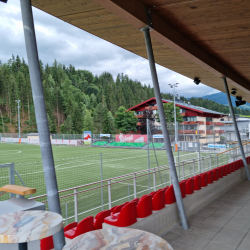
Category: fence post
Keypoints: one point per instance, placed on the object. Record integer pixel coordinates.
(101, 181)
(12, 177)
(128, 192)
(194, 166)
(183, 171)
(166, 179)
(179, 177)
(190, 170)
(109, 193)
(216, 160)
(154, 177)
(66, 213)
(202, 158)
(76, 205)
(134, 185)
(210, 157)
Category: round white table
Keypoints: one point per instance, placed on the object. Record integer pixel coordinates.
(118, 238)
(22, 227)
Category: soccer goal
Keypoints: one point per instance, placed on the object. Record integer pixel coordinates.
(186, 157)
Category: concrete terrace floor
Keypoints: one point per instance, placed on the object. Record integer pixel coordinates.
(223, 224)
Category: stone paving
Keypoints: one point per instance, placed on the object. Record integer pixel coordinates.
(224, 224)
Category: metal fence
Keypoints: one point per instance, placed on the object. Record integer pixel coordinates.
(89, 199)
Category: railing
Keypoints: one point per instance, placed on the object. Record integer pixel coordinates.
(81, 201)
(191, 132)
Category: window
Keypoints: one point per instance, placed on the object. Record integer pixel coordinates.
(208, 119)
(159, 127)
(192, 118)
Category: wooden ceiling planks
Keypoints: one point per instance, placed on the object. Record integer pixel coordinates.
(199, 20)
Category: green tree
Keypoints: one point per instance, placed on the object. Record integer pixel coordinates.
(125, 121)
(88, 124)
(169, 112)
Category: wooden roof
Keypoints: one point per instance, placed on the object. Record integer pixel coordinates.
(196, 38)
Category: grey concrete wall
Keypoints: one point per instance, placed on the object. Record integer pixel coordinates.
(161, 221)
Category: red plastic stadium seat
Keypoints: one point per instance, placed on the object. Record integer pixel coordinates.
(136, 200)
(190, 186)
(236, 163)
(197, 182)
(86, 225)
(153, 193)
(99, 219)
(158, 201)
(119, 208)
(125, 218)
(203, 179)
(229, 169)
(47, 243)
(210, 177)
(225, 170)
(183, 188)
(216, 174)
(232, 167)
(241, 164)
(169, 195)
(144, 207)
(220, 174)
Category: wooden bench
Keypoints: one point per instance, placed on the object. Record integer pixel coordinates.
(15, 189)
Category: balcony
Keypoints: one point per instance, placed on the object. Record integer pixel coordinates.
(220, 131)
(192, 122)
(219, 124)
(215, 131)
(215, 123)
(192, 132)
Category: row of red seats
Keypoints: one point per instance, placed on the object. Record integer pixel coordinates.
(126, 214)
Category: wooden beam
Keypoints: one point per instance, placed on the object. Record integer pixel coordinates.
(133, 12)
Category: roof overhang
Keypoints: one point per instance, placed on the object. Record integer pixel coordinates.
(197, 38)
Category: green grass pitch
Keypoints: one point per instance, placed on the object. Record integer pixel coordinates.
(77, 166)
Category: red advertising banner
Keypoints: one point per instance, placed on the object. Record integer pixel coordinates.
(131, 138)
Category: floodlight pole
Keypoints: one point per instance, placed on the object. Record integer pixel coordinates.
(170, 156)
(18, 102)
(236, 128)
(41, 117)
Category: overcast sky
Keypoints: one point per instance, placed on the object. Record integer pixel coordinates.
(70, 45)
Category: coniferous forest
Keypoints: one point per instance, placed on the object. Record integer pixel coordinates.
(76, 100)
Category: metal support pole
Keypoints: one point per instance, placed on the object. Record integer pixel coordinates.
(18, 102)
(194, 166)
(214, 138)
(154, 178)
(109, 193)
(12, 177)
(66, 213)
(128, 192)
(76, 204)
(134, 185)
(149, 185)
(169, 152)
(41, 117)
(183, 174)
(101, 181)
(202, 158)
(236, 128)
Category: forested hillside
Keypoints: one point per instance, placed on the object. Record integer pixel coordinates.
(76, 100)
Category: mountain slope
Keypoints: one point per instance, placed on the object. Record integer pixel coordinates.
(222, 99)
